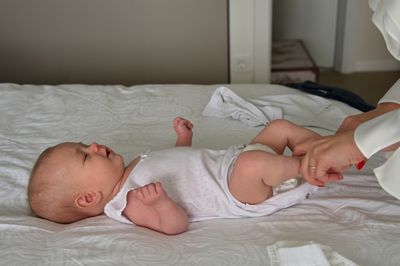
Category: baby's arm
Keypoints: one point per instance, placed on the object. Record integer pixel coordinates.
(150, 206)
(183, 129)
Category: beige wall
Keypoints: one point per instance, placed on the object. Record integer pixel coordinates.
(114, 42)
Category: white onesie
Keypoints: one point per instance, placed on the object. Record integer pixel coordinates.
(197, 180)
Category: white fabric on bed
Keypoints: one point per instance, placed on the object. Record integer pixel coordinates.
(304, 110)
(354, 217)
(306, 252)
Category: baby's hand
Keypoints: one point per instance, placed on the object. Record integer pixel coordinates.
(150, 206)
(150, 193)
(183, 129)
(182, 124)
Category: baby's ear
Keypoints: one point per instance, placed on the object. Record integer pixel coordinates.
(87, 199)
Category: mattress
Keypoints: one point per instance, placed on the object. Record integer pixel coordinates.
(354, 217)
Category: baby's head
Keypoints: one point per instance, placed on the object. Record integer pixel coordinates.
(73, 181)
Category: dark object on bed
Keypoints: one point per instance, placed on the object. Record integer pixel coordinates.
(335, 93)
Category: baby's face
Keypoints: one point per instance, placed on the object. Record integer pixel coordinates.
(92, 167)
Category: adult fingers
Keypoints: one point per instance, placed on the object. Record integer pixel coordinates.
(313, 178)
(307, 171)
(333, 177)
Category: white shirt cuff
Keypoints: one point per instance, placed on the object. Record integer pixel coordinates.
(378, 133)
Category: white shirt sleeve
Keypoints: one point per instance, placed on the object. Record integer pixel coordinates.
(376, 134)
(386, 18)
(382, 131)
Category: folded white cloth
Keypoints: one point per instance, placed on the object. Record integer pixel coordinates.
(301, 109)
(294, 253)
(225, 103)
(307, 255)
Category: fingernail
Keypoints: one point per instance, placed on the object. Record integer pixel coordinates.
(360, 165)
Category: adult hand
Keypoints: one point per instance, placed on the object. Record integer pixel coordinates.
(353, 121)
(327, 157)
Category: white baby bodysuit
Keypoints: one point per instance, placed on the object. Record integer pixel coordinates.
(197, 180)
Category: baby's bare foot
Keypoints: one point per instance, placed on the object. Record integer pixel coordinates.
(183, 129)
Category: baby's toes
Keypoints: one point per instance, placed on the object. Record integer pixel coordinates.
(138, 192)
(150, 190)
(159, 188)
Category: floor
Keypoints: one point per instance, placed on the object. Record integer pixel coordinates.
(371, 86)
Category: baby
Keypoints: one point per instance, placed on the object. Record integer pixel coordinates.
(74, 181)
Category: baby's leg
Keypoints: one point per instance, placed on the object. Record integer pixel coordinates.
(256, 172)
(183, 129)
(150, 206)
(280, 134)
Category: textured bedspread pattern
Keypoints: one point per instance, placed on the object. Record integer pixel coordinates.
(354, 217)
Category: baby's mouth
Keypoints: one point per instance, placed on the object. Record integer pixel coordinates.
(108, 152)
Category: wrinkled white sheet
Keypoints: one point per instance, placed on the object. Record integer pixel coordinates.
(353, 217)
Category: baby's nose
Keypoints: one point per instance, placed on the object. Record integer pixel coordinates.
(93, 146)
(96, 147)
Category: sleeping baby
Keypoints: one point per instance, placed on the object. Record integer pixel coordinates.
(165, 190)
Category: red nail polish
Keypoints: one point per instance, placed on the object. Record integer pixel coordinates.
(360, 165)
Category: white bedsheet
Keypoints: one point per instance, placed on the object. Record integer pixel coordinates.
(354, 217)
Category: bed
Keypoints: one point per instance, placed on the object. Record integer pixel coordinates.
(354, 217)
